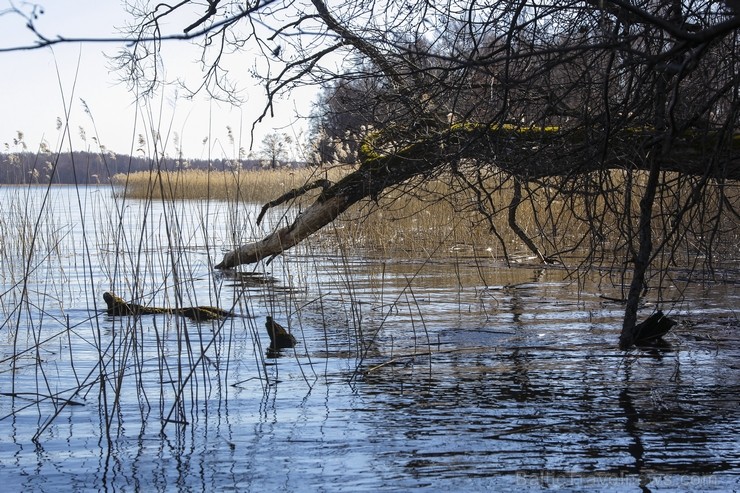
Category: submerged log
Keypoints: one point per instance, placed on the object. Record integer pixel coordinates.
(279, 337)
(649, 332)
(118, 307)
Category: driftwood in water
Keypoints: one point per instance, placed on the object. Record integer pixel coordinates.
(118, 307)
(650, 331)
(279, 337)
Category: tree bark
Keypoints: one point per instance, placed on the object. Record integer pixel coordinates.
(316, 217)
(373, 176)
(642, 259)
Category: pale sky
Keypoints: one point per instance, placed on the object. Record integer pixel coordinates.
(36, 85)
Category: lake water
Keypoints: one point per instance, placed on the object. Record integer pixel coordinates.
(450, 374)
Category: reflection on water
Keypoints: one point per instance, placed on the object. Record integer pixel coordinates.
(454, 374)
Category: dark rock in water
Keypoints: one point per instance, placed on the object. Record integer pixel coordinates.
(279, 337)
(651, 331)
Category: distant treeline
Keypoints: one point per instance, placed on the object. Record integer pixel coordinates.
(91, 168)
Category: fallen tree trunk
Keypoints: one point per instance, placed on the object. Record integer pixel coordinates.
(316, 217)
(376, 174)
(526, 153)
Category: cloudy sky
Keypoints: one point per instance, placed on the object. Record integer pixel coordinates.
(39, 87)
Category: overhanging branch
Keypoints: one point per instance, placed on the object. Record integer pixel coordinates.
(525, 153)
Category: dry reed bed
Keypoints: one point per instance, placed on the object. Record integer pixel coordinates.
(398, 221)
(443, 216)
(242, 186)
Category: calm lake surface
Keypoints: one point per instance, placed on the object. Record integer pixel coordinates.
(451, 374)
